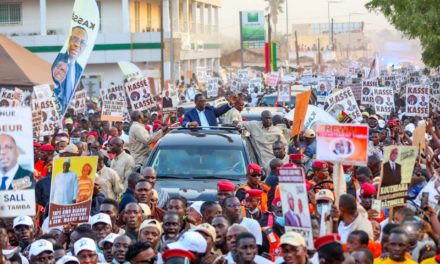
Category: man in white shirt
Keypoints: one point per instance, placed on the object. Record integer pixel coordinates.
(65, 186)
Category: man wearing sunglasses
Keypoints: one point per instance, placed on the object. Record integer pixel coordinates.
(253, 175)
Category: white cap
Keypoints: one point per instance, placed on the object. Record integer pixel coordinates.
(109, 238)
(67, 258)
(23, 220)
(100, 218)
(39, 247)
(196, 206)
(84, 243)
(190, 241)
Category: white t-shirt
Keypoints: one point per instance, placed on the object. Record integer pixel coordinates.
(344, 231)
(254, 227)
(258, 259)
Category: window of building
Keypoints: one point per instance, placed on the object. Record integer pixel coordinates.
(149, 17)
(137, 16)
(10, 13)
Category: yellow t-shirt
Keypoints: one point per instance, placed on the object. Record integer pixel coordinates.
(429, 261)
(389, 261)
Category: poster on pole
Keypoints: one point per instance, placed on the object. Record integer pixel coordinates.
(346, 144)
(272, 79)
(140, 95)
(252, 29)
(417, 100)
(113, 111)
(340, 82)
(344, 101)
(212, 87)
(324, 88)
(383, 100)
(71, 190)
(17, 192)
(294, 202)
(367, 92)
(114, 92)
(396, 173)
(49, 107)
(414, 77)
(202, 74)
(72, 59)
(284, 92)
(255, 86)
(433, 190)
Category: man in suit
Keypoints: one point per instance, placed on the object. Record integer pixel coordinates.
(203, 115)
(423, 101)
(65, 88)
(391, 173)
(13, 176)
(291, 218)
(166, 100)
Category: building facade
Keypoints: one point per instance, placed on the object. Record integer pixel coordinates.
(130, 31)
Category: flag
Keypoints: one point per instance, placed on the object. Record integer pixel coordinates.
(372, 74)
(302, 104)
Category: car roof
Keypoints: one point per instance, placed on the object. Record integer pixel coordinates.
(259, 109)
(202, 137)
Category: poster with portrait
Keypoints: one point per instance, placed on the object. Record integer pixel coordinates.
(383, 100)
(417, 100)
(435, 86)
(37, 119)
(79, 102)
(6, 98)
(367, 92)
(346, 144)
(113, 92)
(433, 190)
(272, 79)
(17, 187)
(46, 102)
(294, 202)
(396, 173)
(435, 102)
(71, 190)
(324, 88)
(113, 110)
(72, 59)
(284, 92)
(255, 86)
(243, 75)
(340, 82)
(201, 74)
(414, 77)
(211, 87)
(390, 81)
(343, 101)
(140, 95)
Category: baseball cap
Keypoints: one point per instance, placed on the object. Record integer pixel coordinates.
(254, 168)
(109, 238)
(39, 247)
(207, 229)
(151, 223)
(310, 133)
(100, 218)
(66, 259)
(225, 185)
(23, 220)
(146, 210)
(326, 240)
(196, 206)
(191, 241)
(293, 239)
(325, 194)
(71, 148)
(84, 243)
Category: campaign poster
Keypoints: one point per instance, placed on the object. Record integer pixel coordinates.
(113, 110)
(114, 92)
(383, 100)
(17, 186)
(37, 119)
(130, 70)
(272, 79)
(212, 87)
(79, 102)
(346, 144)
(284, 93)
(72, 59)
(344, 101)
(71, 190)
(6, 98)
(435, 86)
(255, 86)
(417, 100)
(367, 92)
(202, 74)
(433, 190)
(294, 202)
(390, 81)
(356, 88)
(140, 95)
(340, 82)
(49, 107)
(414, 77)
(396, 173)
(435, 102)
(243, 75)
(323, 89)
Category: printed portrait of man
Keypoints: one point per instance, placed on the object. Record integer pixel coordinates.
(292, 218)
(423, 101)
(13, 176)
(392, 171)
(64, 189)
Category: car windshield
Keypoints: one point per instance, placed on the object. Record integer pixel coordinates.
(272, 100)
(200, 162)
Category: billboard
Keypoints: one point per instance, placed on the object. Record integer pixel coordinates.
(252, 29)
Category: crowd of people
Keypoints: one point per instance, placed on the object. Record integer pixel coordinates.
(133, 221)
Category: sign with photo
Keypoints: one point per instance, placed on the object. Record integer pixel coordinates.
(113, 110)
(114, 92)
(383, 100)
(340, 82)
(71, 190)
(48, 106)
(343, 101)
(242, 74)
(283, 92)
(255, 86)
(79, 102)
(17, 192)
(6, 98)
(294, 202)
(414, 77)
(212, 87)
(417, 100)
(367, 92)
(272, 79)
(435, 86)
(396, 173)
(324, 88)
(140, 95)
(37, 119)
(202, 74)
(346, 144)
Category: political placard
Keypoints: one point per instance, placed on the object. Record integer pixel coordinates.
(243, 75)
(324, 88)
(255, 85)
(49, 109)
(140, 95)
(396, 173)
(433, 190)
(6, 98)
(414, 77)
(112, 110)
(201, 74)
(435, 86)
(383, 100)
(356, 88)
(367, 92)
(346, 144)
(79, 102)
(344, 101)
(294, 202)
(212, 87)
(340, 82)
(17, 187)
(417, 100)
(284, 92)
(272, 79)
(71, 190)
(114, 92)
(37, 119)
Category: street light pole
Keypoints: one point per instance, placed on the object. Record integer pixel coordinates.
(328, 16)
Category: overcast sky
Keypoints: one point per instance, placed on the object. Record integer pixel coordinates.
(302, 11)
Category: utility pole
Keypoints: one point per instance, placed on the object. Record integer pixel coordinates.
(296, 49)
(287, 31)
(162, 59)
(171, 41)
(333, 35)
(241, 40)
(269, 29)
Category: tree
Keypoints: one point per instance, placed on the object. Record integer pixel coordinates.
(416, 19)
(275, 8)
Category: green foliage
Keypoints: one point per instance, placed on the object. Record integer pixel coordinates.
(416, 19)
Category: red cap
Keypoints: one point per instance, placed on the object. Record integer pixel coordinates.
(156, 126)
(254, 193)
(392, 123)
(254, 169)
(346, 167)
(368, 189)
(296, 157)
(225, 186)
(325, 240)
(37, 144)
(320, 164)
(47, 147)
(172, 253)
(92, 133)
(276, 202)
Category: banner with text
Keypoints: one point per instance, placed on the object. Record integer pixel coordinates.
(113, 111)
(343, 101)
(417, 100)
(367, 92)
(383, 100)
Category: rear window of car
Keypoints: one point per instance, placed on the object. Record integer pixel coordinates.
(188, 161)
(271, 101)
